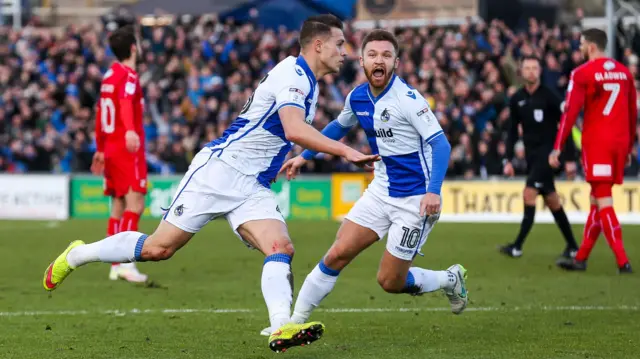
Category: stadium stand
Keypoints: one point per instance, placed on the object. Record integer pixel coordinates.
(197, 73)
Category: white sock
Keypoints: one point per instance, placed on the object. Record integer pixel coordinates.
(423, 280)
(277, 282)
(122, 247)
(318, 284)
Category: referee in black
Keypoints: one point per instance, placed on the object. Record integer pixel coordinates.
(538, 110)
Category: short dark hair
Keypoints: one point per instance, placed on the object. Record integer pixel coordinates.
(597, 37)
(318, 25)
(121, 40)
(530, 58)
(381, 35)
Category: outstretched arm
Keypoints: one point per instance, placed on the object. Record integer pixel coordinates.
(337, 128)
(291, 100)
(297, 131)
(334, 130)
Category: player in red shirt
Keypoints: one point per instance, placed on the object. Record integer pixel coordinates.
(607, 91)
(120, 144)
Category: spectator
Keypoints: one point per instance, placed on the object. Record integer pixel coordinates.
(197, 76)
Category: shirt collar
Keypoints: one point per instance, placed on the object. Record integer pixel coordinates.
(300, 61)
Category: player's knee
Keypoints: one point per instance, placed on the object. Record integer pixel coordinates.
(117, 208)
(335, 259)
(339, 255)
(554, 206)
(157, 253)
(136, 208)
(553, 202)
(135, 204)
(604, 202)
(154, 250)
(283, 245)
(391, 283)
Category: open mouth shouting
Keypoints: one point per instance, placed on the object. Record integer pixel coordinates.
(378, 73)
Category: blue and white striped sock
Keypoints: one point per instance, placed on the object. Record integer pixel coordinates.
(318, 284)
(424, 280)
(123, 247)
(277, 288)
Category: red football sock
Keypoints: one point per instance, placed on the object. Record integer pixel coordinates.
(613, 233)
(129, 221)
(113, 227)
(590, 235)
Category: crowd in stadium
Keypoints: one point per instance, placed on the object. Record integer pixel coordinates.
(198, 75)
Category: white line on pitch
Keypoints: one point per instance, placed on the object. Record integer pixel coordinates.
(117, 312)
(6, 226)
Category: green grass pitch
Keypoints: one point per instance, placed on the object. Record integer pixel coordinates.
(523, 308)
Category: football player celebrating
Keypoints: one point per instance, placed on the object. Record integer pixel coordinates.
(403, 200)
(231, 177)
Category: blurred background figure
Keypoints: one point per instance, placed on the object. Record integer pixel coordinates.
(535, 114)
(197, 71)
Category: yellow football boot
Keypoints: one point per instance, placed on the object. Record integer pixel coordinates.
(59, 269)
(293, 335)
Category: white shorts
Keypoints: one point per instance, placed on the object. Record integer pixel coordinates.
(211, 188)
(399, 217)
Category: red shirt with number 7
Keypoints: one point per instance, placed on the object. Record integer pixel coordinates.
(605, 89)
(120, 109)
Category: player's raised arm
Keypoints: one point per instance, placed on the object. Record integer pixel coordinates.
(576, 93)
(299, 132)
(337, 128)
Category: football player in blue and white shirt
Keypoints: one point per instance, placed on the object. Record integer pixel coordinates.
(231, 178)
(403, 200)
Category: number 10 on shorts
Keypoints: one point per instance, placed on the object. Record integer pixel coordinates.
(410, 237)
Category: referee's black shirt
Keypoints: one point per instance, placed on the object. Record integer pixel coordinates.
(539, 113)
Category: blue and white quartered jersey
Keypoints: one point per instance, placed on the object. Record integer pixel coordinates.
(255, 143)
(400, 127)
